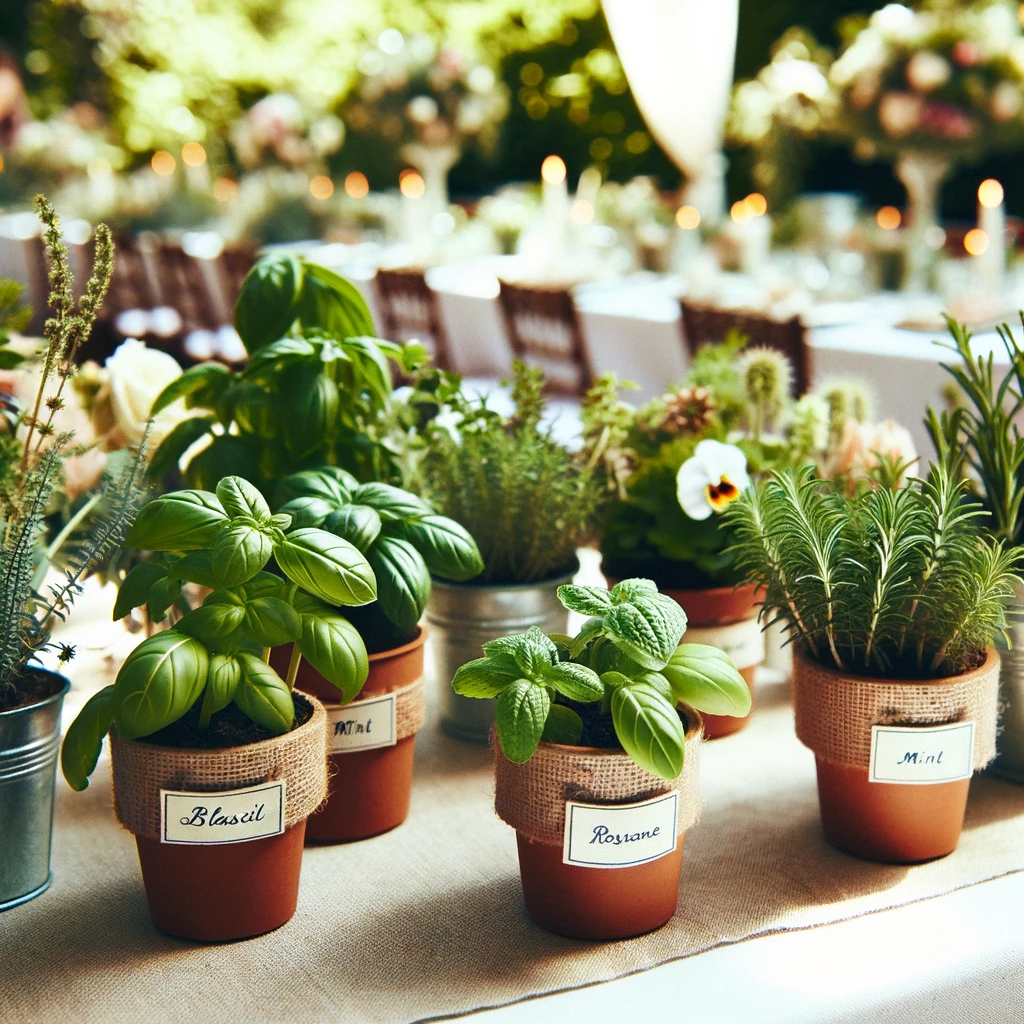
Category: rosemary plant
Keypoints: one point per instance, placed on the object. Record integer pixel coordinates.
(892, 582)
(33, 471)
(526, 500)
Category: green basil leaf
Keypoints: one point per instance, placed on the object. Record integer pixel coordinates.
(240, 552)
(367, 356)
(403, 583)
(162, 595)
(84, 738)
(160, 680)
(310, 408)
(313, 483)
(333, 304)
(483, 678)
(358, 524)
(333, 646)
(176, 443)
(648, 628)
(327, 566)
(563, 726)
(211, 622)
(226, 455)
(268, 302)
(194, 379)
(195, 567)
(276, 354)
(307, 511)
(705, 678)
(222, 682)
(263, 696)
(612, 680)
(585, 600)
(238, 497)
(520, 713)
(180, 521)
(271, 621)
(391, 503)
(446, 546)
(577, 682)
(134, 591)
(649, 729)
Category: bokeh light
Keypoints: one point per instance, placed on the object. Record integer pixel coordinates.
(990, 193)
(411, 184)
(163, 163)
(888, 218)
(976, 242)
(553, 169)
(321, 187)
(688, 217)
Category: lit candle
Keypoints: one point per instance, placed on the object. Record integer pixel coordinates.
(992, 221)
(752, 228)
(414, 209)
(556, 204)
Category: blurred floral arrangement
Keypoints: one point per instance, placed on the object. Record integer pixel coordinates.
(947, 78)
(281, 128)
(413, 91)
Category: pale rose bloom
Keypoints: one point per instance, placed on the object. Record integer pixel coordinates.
(898, 24)
(1006, 101)
(711, 479)
(863, 443)
(927, 71)
(899, 113)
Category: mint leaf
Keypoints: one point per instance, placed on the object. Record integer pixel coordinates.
(520, 714)
(648, 628)
(533, 651)
(577, 682)
(585, 600)
(483, 678)
(563, 726)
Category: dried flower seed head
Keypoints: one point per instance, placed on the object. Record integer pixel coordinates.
(687, 411)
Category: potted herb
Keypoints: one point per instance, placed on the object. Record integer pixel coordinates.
(370, 740)
(34, 453)
(893, 597)
(527, 501)
(597, 748)
(983, 424)
(217, 762)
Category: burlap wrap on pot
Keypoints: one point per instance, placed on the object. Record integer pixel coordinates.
(835, 712)
(142, 769)
(531, 796)
(410, 707)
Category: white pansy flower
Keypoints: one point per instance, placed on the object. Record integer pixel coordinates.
(715, 476)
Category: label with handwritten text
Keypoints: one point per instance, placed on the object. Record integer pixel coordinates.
(619, 835)
(364, 725)
(236, 816)
(922, 755)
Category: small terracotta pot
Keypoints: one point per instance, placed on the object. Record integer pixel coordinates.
(368, 790)
(220, 893)
(606, 902)
(891, 822)
(718, 606)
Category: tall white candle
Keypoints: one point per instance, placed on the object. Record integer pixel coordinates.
(555, 205)
(992, 220)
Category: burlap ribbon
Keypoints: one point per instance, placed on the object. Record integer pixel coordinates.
(835, 712)
(142, 769)
(531, 796)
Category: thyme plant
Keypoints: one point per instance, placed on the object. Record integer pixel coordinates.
(893, 582)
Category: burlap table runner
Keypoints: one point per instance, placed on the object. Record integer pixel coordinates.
(531, 796)
(427, 921)
(835, 713)
(141, 770)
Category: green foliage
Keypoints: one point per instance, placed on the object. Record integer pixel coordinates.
(316, 389)
(895, 583)
(33, 451)
(524, 498)
(626, 657)
(213, 652)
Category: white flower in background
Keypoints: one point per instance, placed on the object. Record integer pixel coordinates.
(422, 109)
(867, 52)
(899, 113)
(897, 24)
(1006, 101)
(863, 443)
(715, 476)
(927, 71)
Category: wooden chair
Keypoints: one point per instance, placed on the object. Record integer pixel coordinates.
(703, 324)
(409, 309)
(234, 262)
(544, 330)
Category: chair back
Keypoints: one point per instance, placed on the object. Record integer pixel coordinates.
(703, 324)
(410, 310)
(544, 330)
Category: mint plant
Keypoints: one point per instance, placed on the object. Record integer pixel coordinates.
(626, 661)
(218, 652)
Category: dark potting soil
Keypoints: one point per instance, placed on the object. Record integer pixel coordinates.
(33, 687)
(227, 728)
(598, 730)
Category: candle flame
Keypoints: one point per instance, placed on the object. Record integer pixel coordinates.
(976, 242)
(553, 169)
(688, 217)
(888, 218)
(990, 193)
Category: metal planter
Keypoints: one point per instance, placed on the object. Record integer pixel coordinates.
(462, 618)
(1009, 762)
(29, 744)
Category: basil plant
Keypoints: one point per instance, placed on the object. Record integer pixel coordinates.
(627, 661)
(218, 652)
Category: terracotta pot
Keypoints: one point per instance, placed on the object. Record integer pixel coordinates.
(711, 609)
(602, 902)
(368, 790)
(219, 889)
(220, 893)
(891, 822)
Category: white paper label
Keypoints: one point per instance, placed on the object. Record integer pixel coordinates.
(235, 816)
(742, 641)
(619, 835)
(364, 725)
(922, 755)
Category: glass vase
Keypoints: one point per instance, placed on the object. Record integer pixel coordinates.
(922, 174)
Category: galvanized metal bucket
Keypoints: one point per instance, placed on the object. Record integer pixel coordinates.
(29, 743)
(1009, 762)
(462, 618)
